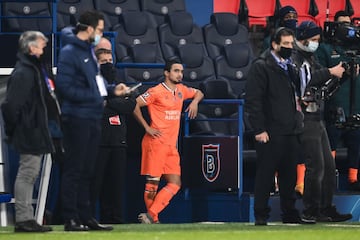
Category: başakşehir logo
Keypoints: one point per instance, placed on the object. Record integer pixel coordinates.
(211, 161)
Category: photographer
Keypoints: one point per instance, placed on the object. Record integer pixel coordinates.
(320, 165)
(337, 108)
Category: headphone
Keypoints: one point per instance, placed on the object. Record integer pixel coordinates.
(278, 32)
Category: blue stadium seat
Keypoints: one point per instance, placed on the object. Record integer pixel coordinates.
(135, 28)
(223, 30)
(198, 66)
(69, 11)
(178, 30)
(144, 53)
(23, 16)
(112, 9)
(234, 66)
(161, 8)
(218, 89)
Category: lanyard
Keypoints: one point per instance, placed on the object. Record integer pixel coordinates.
(49, 82)
(95, 59)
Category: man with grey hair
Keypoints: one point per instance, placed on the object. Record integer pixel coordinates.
(31, 115)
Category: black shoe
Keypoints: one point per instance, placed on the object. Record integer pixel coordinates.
(330, 214)
(355, 186)
(74, 225)
(31, 226)
(95, 225)
(296, 220)
(308, 219)
(260, 222)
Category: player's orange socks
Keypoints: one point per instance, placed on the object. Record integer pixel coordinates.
(149, 194)
(300, 170)
(352, 176)
(162, 199)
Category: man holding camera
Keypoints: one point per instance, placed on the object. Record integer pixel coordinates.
(319, 184)
(337, 109)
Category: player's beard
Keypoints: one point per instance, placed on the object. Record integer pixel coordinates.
(175, 81)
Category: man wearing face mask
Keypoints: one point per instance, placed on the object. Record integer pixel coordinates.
(319, 183)
(286, 17)
(111, 160)
(276, 123)
(82, 91)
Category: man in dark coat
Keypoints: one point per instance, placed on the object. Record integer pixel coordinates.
(270, 104)
(31, 116)
(112, 156)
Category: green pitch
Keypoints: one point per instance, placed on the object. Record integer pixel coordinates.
(195, 231)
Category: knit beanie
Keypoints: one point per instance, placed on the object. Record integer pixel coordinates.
(285, 10)
(306, 30)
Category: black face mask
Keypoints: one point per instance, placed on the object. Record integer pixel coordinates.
(108, 71)
(291, 23)
(285, 52)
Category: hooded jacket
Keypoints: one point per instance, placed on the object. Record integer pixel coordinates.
(76, 78)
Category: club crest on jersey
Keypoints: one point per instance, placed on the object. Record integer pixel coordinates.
(180, 95)
(145, 95)
(211, 161)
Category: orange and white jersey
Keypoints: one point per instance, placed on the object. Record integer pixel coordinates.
(164, 106)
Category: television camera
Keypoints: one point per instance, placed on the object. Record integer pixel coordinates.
(346, 35)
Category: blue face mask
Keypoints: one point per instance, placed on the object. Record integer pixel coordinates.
(96, 40)
(291, 23)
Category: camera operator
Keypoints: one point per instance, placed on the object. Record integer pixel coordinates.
(337, 108)
(320, 165)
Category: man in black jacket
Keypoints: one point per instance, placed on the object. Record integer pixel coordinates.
(31, 116)
(272, 110)
(112, 157)
(319, 184)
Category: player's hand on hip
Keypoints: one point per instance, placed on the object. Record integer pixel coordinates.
(153, 132)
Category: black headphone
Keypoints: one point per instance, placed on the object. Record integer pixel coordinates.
(278, 33)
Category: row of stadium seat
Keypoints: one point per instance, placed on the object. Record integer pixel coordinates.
(25, 15)
(221, 49)
(251, 12)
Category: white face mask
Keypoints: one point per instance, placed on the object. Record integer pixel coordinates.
(312, 46)
(96, 40)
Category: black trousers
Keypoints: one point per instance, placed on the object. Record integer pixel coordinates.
(319, 184)
(108, 188)
(279, 154)
(81, 141)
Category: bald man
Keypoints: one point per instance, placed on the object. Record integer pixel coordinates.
(112, 159)
(104, 43)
